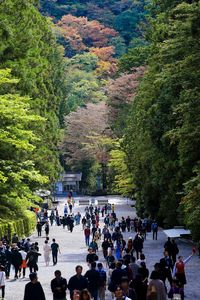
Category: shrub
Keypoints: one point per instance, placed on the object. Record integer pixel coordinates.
(23, 225)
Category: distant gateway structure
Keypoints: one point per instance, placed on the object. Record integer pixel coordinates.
(68, 182)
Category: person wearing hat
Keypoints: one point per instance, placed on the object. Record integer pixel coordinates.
(33, 289)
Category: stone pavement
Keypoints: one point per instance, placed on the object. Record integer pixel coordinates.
(73, 252)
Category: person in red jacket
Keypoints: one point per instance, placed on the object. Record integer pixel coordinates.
(87, 235)
(179, 269)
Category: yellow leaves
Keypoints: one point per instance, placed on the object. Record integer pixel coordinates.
(5, 77)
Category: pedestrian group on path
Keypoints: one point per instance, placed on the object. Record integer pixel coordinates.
(124, 273)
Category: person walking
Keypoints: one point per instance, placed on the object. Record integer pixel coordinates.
(168, 246)
(47, 229)
(166, 266)
(58, 286)
(138, 244)
(102, 282)
(93, 278)
(77, 282)
(87, 235)
(8, 255)
(55, 249)
(16, 260)
(154, 227)
(23, 265)
(65, 209)
(47, 250)
(33, 289)
(39, 228)
(2, 282)
(32, 259)
(175, 251)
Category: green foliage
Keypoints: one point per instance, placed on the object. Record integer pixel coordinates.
(29, 49)
(19, 176)
(123, 181)
(162, 137)
(119, 45)
(135, 57)
(81, 84)
(23, 226)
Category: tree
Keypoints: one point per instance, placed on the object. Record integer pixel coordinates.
(19, 177)
(121, 93)
(162, 136)
(83, 34)
(123, 181)
(87, 137)
(29, 49)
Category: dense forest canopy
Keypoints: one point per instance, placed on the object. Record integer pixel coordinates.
(112, 89)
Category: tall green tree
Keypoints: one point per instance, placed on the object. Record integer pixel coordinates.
(19, 177)
(162, 137)
(29, 48)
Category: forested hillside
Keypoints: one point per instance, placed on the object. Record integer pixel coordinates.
(121, 15)
(32, 87)
(112, 89)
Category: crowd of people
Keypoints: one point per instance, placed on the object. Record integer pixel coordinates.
(116, 265)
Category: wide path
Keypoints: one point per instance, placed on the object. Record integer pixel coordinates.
(73, 252)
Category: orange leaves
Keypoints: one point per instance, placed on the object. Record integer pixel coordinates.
(105, 53)
(83, 34)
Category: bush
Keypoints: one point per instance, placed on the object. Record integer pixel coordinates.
(23, 225)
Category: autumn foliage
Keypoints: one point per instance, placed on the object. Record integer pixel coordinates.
(82, 33)
(85, 129)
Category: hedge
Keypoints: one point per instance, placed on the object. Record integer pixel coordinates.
(23, 226)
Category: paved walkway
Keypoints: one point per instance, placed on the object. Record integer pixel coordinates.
(73, 252)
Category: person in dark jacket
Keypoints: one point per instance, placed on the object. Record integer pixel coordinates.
(16, 260)
(39, 228)
(166, 266)
(116, 277)
(8, 255)
(47, 229)
(93, 278)
(33, 289)
(77, 282)
(32, 259)
(59, 286)
(138, 244)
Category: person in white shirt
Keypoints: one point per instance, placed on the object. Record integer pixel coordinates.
(2, 281)
(23, 265)
(47, 251)
(141, 259)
